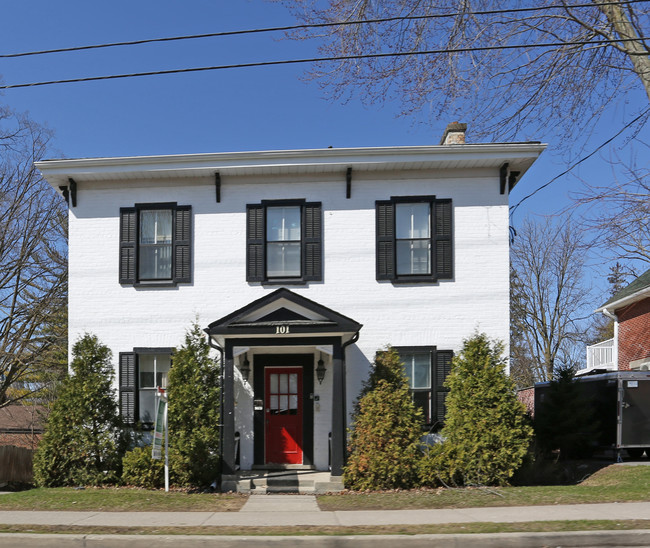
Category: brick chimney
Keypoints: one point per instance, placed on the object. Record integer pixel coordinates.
(454, 134)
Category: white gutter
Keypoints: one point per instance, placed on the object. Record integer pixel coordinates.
(639, 295)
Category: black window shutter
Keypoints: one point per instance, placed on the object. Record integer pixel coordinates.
(128, 387)
(313, 242)
(128, 241)
(183, 244)
(255, 243)
(442, 369)
(442, 240)
(385, 240)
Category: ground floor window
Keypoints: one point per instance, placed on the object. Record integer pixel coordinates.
(426, 369)
(142, 372)
(153, 370)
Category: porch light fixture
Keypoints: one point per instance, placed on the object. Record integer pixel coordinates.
(320, 369)
(245, 368)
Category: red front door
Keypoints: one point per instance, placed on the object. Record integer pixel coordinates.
(283, 414)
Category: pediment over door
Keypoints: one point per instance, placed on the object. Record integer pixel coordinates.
(283, 312)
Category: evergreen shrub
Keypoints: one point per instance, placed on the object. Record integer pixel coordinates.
(193, 412)
(140, 470)
(566, 420)
(83, 441)
(384, 443)
(487, 433)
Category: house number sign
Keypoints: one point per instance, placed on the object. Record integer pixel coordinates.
(281, 329)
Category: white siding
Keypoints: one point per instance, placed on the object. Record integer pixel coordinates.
(442, 314)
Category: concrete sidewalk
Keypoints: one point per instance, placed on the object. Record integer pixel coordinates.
(288, 510)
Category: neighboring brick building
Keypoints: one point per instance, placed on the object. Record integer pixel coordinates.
(21, 425)
(630, 310)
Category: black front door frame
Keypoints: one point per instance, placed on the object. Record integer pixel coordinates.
(339, 414)
(304, 361)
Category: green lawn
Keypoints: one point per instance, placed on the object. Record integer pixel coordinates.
(611, 484)
(119, 499)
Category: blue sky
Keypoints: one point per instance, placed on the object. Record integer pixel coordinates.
(229, 110)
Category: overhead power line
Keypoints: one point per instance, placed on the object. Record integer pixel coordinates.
(319, 60)
(308, 26)
(513, 208)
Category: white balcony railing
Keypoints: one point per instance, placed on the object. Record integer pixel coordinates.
(601, 355)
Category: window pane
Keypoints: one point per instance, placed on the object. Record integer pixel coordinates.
(283, 259)
(293, 402)
(412, 220)
(421, 371)
(293, 383)
(284, 388)
(155, 262)
(413, 257)
(147, 405)
(274, 384)
(156, 226)
(284, 403)
(273, 405)
(283, 224)
(146, 365)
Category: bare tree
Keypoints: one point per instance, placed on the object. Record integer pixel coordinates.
(547, 262)
(618, 213)
(33, 276)
(555, 65)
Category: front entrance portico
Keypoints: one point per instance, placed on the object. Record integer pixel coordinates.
(284, 400)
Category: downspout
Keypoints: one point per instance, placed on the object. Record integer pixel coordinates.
(354, 339)
(613, 317)
(222, 366)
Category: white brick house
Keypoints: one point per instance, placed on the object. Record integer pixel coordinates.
(300, 265)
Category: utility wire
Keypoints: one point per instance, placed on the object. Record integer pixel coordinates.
(319, 60)
(307, 26)
(581, 160)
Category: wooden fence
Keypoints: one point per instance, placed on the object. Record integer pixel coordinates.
(16, 464)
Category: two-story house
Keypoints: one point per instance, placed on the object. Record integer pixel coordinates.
(300, 264)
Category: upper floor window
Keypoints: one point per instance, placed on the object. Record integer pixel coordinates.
(155, 244)
(414, 239)
(283, 239)
(284, 242)
(426, 369)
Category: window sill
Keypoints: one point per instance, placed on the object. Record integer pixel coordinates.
(415, 280)
(153, 284)
(284, 282)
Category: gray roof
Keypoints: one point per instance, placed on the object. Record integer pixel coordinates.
(641, 283)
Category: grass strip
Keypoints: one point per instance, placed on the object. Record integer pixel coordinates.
(451, 528)
(120, 500)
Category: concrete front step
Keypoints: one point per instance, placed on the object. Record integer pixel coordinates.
(262, 482)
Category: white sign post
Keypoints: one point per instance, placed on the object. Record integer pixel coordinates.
(159, 431)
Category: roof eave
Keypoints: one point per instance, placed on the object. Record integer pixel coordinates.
(58, 171)
(625, 301)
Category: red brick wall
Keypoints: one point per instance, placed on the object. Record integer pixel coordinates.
(633, 333)
(527, 397)
(27, 441)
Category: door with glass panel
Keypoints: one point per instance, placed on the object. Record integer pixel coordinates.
(283, 415)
